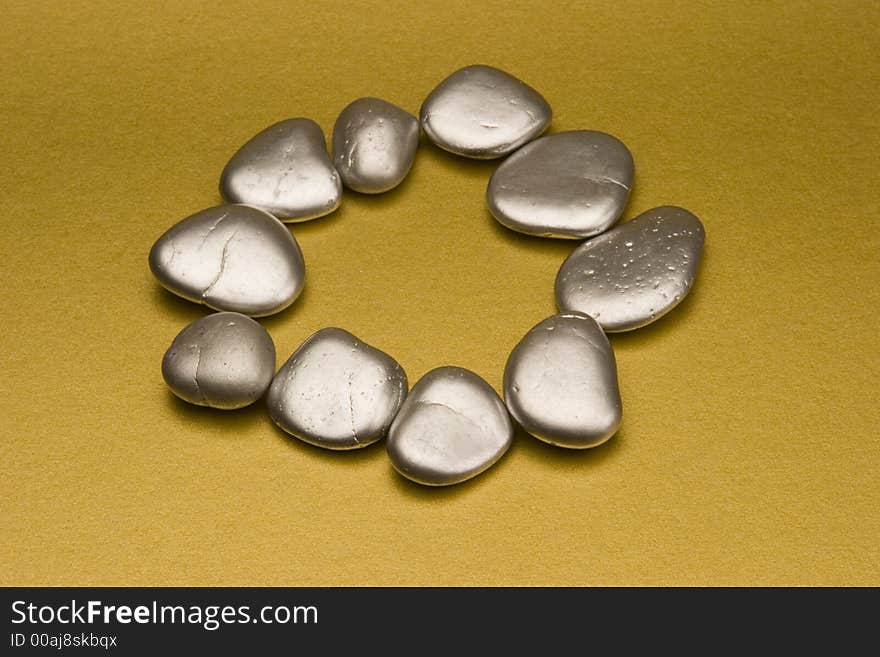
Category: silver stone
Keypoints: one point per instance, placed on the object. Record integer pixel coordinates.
(560, 382)
(570, 185)
(285, 170)
(374, 145)
(483, 113)
(451, 427)
(635, 273)
(231, 257)
(337, 392)
(224, 360)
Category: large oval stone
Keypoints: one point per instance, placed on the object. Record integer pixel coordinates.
(452, 427)
(374, 145)
(285, 169)
(337, 392)
(230, 257)
(636, 273)
(224, 360)
(484, 113)
(569, 185)
(560, 382)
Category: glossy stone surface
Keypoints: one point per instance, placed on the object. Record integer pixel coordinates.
(231, 257)
(374, 145)
(452, 427)
(484, 113)
(636, 273)
(224, 360)
(285, 169)
(560, 382)
(567, 185)
(337, 392)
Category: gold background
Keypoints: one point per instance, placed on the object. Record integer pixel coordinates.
(749, 451)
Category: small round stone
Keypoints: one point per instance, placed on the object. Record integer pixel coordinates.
(452, 427)
(483, 113)
(285, 170)
(337, 392)
(560, 382)
(567, 185)
(224, 360)
(231, 257)
(635, 273)
(374, 145)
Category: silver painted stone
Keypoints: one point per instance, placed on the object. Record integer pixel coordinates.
(285, 170)
(560, 382)
(568, 185)
(636, 273)
(231, 257)
(224, 360)
(452, 427)
(337, 392)
(374, 145)
(483, 113)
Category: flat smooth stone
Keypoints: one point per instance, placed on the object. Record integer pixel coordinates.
(483, 113)
(337, 392)
(231, 257)
(636, 273)
(560, 382)
(567, 185)
(452, 427)
(224, 360)
(285, 170)
(374, 145)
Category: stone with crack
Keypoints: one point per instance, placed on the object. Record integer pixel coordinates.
(231, 257)
(337, 392)
(569, 185)
(452, 427)
(225, 360)
(560, 382)
(284, 169)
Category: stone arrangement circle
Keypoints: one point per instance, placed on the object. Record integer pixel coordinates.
(335, 391)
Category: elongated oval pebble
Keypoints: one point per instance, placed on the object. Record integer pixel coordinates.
(374, 145)
(568, 185)
(483, 113)
(231, 257)
(285, 170)
(224, 360)
(452, 427)
(636, 273)
(560, 382)
(337, 392)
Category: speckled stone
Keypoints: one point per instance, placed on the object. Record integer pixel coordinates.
(636, 273)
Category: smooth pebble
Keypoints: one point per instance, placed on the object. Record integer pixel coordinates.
(567, 185)
(231, 257)
(483, 113)
(337, 392)
(374, 145)
(224, 360)
(560, 382)
(452, 427)
(636, 273)
(285, 169)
